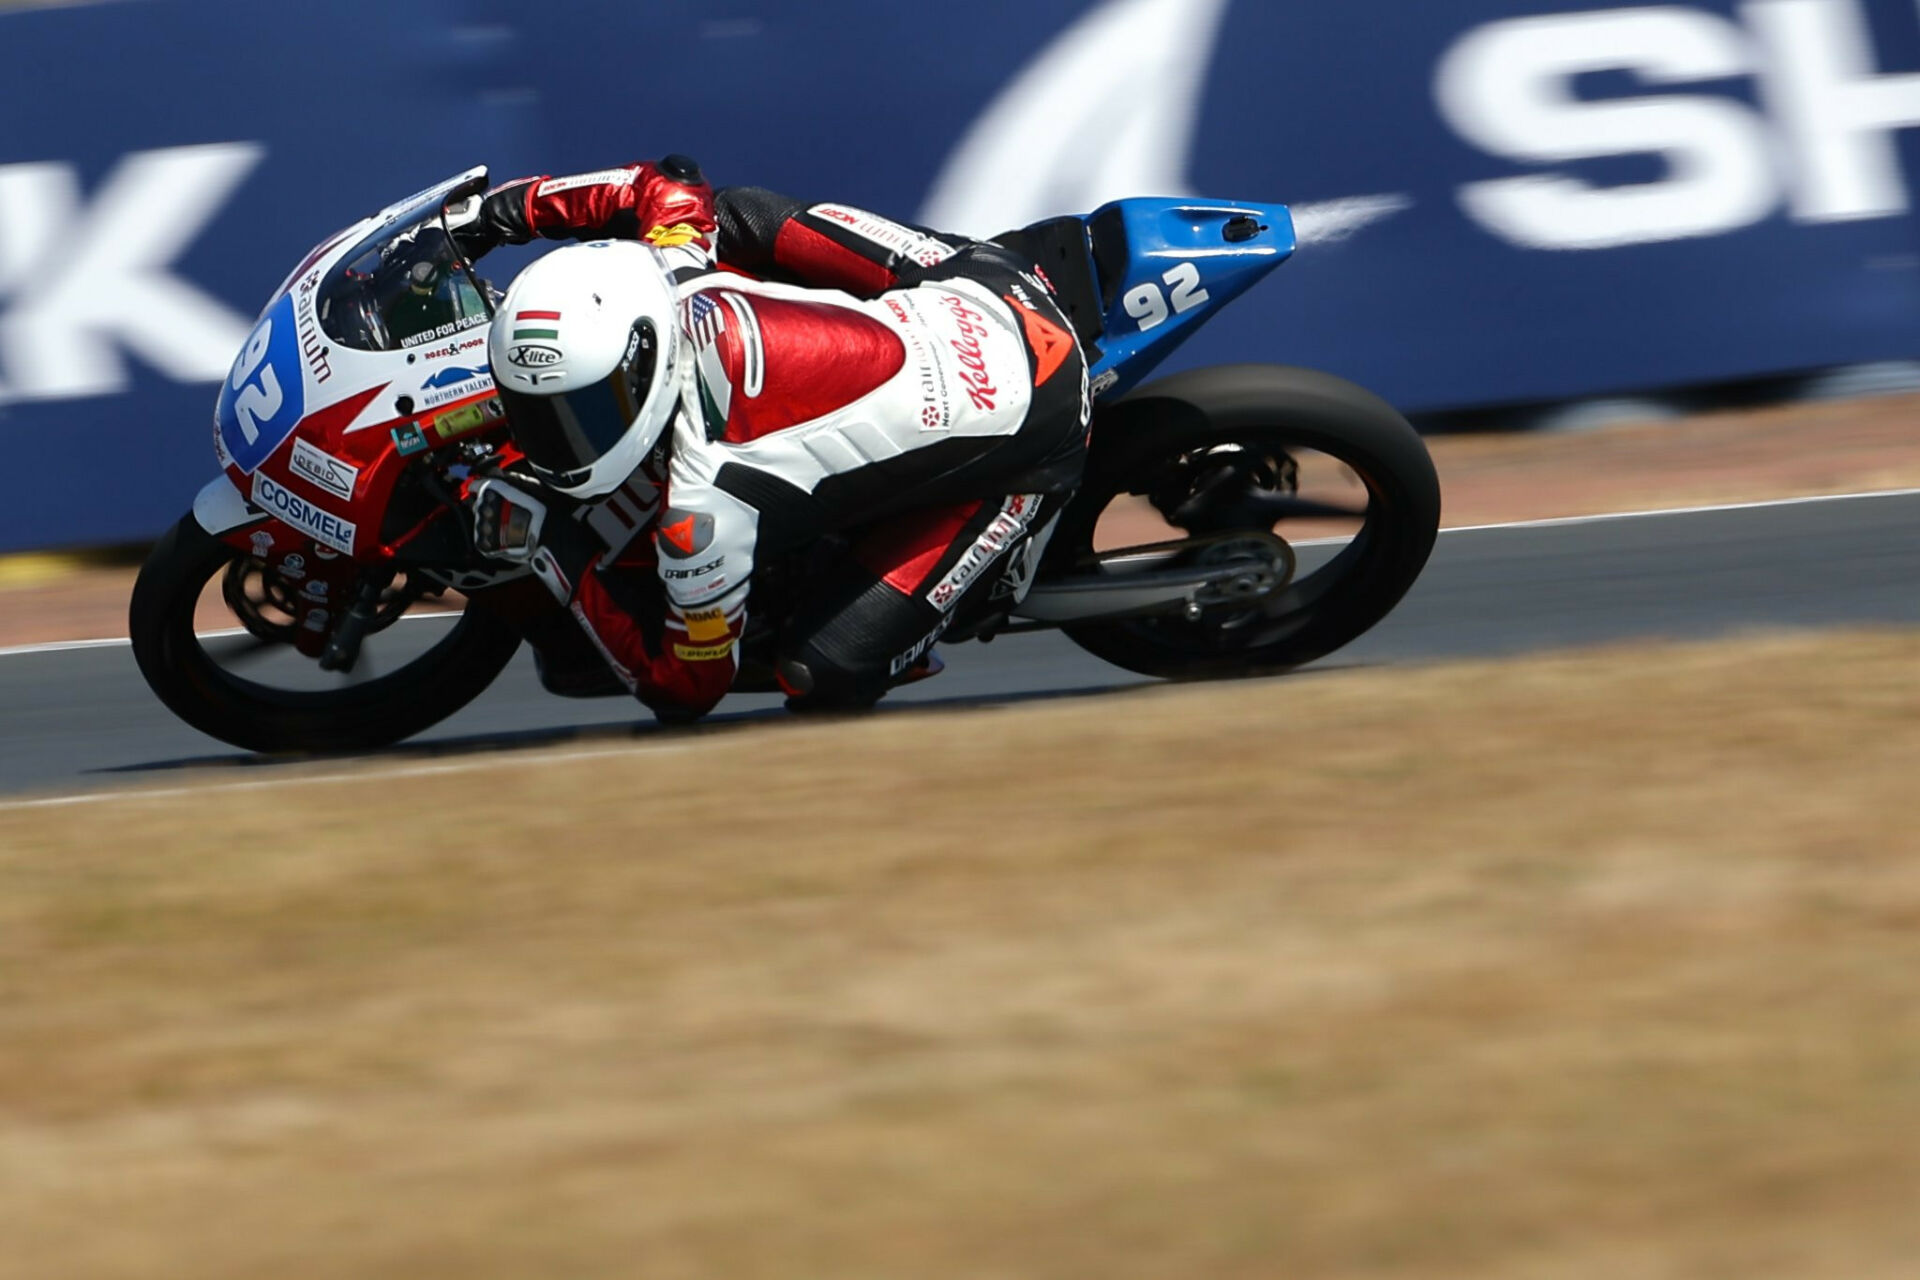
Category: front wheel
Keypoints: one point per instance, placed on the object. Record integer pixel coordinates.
(1242, 461)
(196, 675)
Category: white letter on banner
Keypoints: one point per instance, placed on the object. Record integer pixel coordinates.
(86, 281)
(1507, 88)
(1106, 110)
(1839, 117)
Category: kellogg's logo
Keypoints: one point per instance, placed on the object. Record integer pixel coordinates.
(973, 357)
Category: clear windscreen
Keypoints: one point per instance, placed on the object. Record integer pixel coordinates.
(405, 285)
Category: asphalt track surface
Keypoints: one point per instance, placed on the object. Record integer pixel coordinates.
(77, 719)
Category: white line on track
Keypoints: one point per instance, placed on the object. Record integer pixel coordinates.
(1557, 521)
(364, 773)
(61, 646)
(1553, 522)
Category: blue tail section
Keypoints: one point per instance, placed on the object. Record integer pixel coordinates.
(1166, 266)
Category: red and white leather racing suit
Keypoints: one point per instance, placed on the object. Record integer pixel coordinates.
(848, 372)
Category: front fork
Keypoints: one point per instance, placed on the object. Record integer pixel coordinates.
(290, 590)
(362, 616)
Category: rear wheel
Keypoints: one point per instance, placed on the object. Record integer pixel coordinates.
(285, 703)
(1309, 480)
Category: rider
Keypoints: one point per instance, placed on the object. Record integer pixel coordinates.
(743, 373)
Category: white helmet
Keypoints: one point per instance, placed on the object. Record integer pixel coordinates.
(586, 356)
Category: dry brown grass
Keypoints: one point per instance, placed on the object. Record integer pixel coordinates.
(1590, 966)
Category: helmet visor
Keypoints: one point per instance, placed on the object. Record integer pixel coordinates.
(570, 431)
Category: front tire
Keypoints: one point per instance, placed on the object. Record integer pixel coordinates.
(1254, 412)
(259, 717)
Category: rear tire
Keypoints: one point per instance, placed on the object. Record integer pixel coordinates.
(1140, 438)
(260, 718)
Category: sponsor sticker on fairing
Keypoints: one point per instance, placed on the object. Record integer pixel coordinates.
(264, 397)
(324, 470)
(440, 331)
(313, 346)
(902, 241)
(456, 422)
(409, 440)
(455, 382)
(290, 508)
(453, 349)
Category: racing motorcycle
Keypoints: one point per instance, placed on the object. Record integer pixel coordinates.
(1232, 521)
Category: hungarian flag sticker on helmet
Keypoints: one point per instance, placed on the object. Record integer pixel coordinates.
(522, 317)
(527, 351)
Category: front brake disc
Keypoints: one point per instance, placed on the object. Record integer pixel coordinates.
(237, 588)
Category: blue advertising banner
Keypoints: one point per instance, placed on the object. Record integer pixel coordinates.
(1499, 200)
(162, 167)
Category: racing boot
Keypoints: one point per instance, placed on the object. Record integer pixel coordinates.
(568, 664)
(928, 666)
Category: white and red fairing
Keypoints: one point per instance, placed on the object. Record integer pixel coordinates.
(324, 406)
